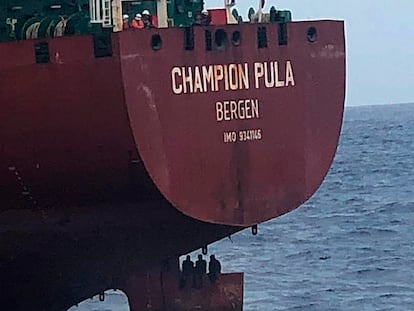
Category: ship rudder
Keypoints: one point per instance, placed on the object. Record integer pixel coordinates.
(162, 290)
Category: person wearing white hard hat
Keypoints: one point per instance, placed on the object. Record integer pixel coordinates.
(125, 21)
(147, 19)
(205, 18)
(137, 23)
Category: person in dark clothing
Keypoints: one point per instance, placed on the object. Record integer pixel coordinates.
(188, 266)
(201, 265)
(200, 271)
(187, 270)
(214, 268)
(205, 18)
(147, 19)
(198, 19)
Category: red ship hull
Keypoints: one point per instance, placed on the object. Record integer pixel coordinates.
(113, 165)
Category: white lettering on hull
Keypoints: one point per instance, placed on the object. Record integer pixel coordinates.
(242, 109)
(269, 75)
(234, 77)
(242, 136)
(231, 77)
(211, 78)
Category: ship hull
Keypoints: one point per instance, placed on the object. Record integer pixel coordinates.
(54, 262)
(112, 165)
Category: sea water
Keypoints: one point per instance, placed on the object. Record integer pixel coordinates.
(351, 246)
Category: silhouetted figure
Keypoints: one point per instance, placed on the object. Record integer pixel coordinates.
(274, 15)
(200, 271)
(188, 271)
(188, 266)
(214, 268)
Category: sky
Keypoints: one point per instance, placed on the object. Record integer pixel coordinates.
(379, 40)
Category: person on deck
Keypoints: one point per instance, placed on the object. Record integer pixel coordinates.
(198, 19)
(137, 23)
(125, 22)
(214, 268)
(147, 19)
(205, 18)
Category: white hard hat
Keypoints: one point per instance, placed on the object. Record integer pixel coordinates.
(125, 16)
(205, 12)
(145, 12)
(138, 16)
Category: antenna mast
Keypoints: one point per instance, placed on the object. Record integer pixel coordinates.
(228, 4)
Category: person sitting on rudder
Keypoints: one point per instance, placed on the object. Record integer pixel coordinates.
(188, 271)
(214, 268)
(200, 271)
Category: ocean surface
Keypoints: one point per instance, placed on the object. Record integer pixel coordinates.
(350, 247)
